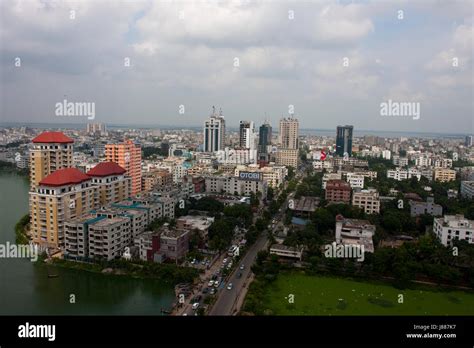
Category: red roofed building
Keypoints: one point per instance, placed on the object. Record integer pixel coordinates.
(113, 185)
(61, 196)
(66, 176)
(50, 151)
(52, 137)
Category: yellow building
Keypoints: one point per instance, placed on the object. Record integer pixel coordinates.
(444, 175)
(51, 151)
(287, 157)
(112, 184)
(59, 197)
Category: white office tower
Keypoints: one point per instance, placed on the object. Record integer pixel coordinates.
(248, 139)
(214, 132)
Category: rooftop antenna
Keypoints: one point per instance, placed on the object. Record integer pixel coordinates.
(220, 111)
(213, 110)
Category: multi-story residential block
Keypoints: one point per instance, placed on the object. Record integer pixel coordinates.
(235, 185)
(403, 174)
(467, 189)
(112, 184)
(274, 175)
(338, 191)
(128, 155)
(287, 157)
(330, 176)
(355, 232)
(159, 179)
(428, 207)
(355, 180)
(59, 197)
(451, 227)
(367, 200)
(50, 151)
(442, 162)
(174, 243)
(399, 161)
(97, 237)
(444, 175)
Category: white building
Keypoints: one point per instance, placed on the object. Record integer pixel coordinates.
(403, 174)
(451, 227)
(367, 200)
(355, 180)
(330, 176)
(355, 232)
(214, 132)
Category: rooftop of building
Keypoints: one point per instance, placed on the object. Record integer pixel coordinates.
(66, 176)
(52, 138)
(105, 169)
(354, 223)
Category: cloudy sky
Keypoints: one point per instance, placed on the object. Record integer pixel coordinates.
(335, 62)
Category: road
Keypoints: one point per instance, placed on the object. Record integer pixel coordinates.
(224, 304)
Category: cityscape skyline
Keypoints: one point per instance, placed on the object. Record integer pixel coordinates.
(273, 59)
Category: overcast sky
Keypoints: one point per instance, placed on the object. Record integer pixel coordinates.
(288, 53)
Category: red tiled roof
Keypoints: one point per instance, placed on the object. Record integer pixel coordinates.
(64, 176)
(53, 137)
(106, 169)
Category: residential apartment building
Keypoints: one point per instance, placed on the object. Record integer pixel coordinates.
(97, 237)
(403, 174)
(355, 180)
(111, 182)
(235, 186)
(50, 151)
(355, 232)
(428, 207)
(338, 191)
(444, 175)
(127, 155)
(367, 200)
(451, 227)
(159, 179)
(59, 197)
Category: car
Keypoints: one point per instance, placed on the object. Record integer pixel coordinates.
(242, 266)
(217, 283)
(195, 306)
(211, 283)
(239, 275)
(193, 261)
(229, 286)
(212, 291)
(225, 261)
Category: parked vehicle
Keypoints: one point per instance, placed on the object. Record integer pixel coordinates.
(195, 306)
(229, 286)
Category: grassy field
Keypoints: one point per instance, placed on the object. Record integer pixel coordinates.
(318, 295)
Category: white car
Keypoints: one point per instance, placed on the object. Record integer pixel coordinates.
(242, 266)
(217, 283)
(224, 261)
(229, 286)
(211, 283)
(195, 306)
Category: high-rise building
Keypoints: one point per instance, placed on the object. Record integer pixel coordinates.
(247, 135)
(127, 155)
(111, 182)
(289, 132)
(214, 132)
(50, 151)
(63, 195)
(264, 141)
(344, 140)
(287, 154)
(469, 140)
(96, 129)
